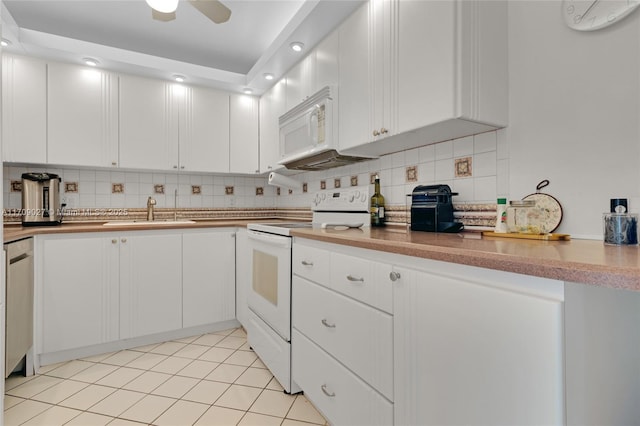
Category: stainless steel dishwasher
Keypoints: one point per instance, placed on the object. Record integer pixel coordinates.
(19, 303)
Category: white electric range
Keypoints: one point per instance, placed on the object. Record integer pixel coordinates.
(269, 296)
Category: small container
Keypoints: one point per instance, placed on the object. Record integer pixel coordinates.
(620, 228)
(525, 218)
(501, 216)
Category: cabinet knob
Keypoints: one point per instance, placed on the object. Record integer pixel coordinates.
(175, 166)
(306, 263)
(269, 167)
(113, 163)
(376, 133)
(182, 167)
(114, 241)
(383, 131)
(394, 276)
(327, 392)
(124, 240)
(257, 171)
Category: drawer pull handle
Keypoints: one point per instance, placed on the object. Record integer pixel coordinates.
(326, 392)
(394, 276)
(307, 263)
(355, 279)
(326, 324)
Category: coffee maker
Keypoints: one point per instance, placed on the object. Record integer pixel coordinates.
(41, 199)
(432, 209)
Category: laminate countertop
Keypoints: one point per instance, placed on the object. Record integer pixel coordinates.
(580, 261)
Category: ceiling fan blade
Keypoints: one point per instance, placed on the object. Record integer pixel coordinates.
(164, 17)
(213, 10)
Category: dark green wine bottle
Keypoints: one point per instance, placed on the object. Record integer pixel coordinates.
(377, 206)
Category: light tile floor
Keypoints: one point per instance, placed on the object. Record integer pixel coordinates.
(212, 379)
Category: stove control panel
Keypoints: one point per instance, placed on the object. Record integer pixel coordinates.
(352, 199)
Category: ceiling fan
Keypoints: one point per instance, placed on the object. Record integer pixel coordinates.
(165, 10)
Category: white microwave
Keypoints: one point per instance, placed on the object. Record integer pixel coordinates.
(308, 134)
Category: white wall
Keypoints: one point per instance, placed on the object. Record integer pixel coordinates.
(574, 112)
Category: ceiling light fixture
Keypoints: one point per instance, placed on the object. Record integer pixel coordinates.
(247, 91)
(5, 42)
(179, 78)
(163, 6)
(90, 61)
(297, 46)
(268, 76)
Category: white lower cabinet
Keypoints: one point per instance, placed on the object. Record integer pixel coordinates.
(79, 292)
(391, 339)
(97, 288)
(243, 278)
(150, 284)
(208, 277)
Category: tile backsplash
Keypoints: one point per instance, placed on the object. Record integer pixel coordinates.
(475, 166)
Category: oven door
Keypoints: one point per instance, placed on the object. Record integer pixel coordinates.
(270, 291)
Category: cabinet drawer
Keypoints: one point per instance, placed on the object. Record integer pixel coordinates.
(339, 394)
(312, 263)
(362, 279)
(357, 335)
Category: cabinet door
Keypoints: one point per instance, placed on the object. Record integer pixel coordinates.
(204, 130)
(243, 279)
(82, 112)
(355, 96)
(208, 278)
(24, 109)
(272, 106)
(150, 284)
(301, 80)
(148, 123)
(326, 65)
(243, 134)
(477, 350)
(79, 292)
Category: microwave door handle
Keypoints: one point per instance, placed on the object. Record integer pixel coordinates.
(313, 126)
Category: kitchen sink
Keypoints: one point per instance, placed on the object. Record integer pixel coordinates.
(142, 222)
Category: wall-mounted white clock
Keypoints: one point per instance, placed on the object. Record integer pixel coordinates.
(589, 15)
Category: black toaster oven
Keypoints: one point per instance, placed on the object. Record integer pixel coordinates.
(432, 209)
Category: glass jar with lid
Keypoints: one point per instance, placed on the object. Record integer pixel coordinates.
(525, 218)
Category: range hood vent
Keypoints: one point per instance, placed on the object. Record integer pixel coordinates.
(322, 161)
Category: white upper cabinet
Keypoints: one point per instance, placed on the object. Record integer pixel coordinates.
(148, 123)
(272, 106)
(82, 111)
(204, 130)
(436, 69)
(243, 134)
(24, 109)
(326, 65)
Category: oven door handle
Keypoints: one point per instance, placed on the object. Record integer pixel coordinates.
(275, 240)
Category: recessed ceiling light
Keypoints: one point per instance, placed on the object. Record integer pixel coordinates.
(90, 61)
(268, 76)
(297, 46)
(179, 78)
(164, 6)
(5, 42)
(247, 91)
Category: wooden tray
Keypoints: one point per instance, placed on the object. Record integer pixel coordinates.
(543, 237)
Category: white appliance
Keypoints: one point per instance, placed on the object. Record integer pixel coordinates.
(269, 297)
(309, 134)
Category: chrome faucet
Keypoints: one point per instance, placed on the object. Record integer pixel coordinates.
(151, 202)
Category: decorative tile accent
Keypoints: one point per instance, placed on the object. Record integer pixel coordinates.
(337, 183)
(117, 188)
(196, 189)
(372, 178)
(463, 167)
(304, 187)
(354, 180)
(71, 187)
(412, 174)
(158, 189)
(278, 191)
(228, 190)
(16, 186)
(259, 190)
(323, 184)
